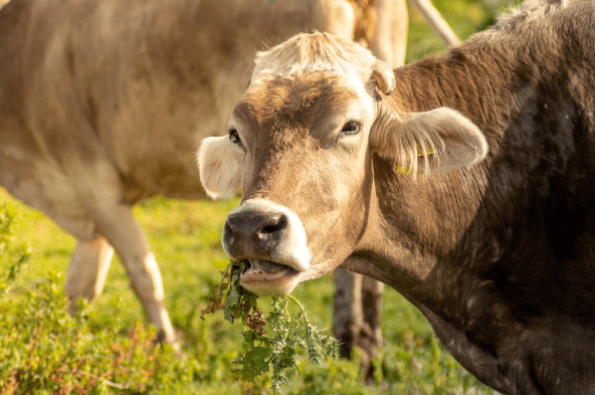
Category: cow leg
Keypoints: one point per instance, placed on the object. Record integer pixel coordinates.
(98, 185)
(356, 321)
(88, 269)
(389, 39)
(348, 316)
(372, 332)
(118, 226)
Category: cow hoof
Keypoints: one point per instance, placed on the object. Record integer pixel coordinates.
(162, 338)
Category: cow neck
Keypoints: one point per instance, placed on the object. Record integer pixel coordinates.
(422, 219)
(439, 239)
(416, 223)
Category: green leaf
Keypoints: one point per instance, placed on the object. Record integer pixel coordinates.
(233, 297)
(255, 362)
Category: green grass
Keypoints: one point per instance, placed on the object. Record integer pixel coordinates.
(185, 237)
(465, 17)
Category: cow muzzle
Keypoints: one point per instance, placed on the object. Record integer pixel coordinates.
(272, 238)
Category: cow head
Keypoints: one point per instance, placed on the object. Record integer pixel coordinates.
(300, 146)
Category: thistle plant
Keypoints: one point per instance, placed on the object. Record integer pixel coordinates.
(276, 350)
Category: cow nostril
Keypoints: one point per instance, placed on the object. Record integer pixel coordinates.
(227, 228)
(274, 223)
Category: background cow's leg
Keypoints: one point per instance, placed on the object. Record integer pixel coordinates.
(348, 317)
(371, 332)
(358, 300)
(119, 226)
(88, 269)
(356, 320)
(99, 187)
(389, 38)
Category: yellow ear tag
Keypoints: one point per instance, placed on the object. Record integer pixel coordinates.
(406, 170)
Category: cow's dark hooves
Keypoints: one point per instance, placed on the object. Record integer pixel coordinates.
(162, 338)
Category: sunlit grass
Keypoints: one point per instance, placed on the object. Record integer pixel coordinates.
(185, 236)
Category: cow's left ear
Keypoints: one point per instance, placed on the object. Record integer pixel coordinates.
(219, 167)
(437, 140)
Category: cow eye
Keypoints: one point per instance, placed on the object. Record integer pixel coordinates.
(234, 136)
(351, 127)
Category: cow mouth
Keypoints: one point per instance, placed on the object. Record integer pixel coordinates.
(262, 270)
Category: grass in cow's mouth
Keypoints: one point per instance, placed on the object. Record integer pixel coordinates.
(277, 352)
(239, 302)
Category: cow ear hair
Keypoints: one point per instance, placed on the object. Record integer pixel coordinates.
(438, 140)
(219, 163)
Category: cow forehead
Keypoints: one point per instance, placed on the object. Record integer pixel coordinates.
(311, 52)
(301, 98)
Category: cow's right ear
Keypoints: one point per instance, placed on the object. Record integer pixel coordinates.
(219, 166)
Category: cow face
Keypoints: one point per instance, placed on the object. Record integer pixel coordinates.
(300, 147)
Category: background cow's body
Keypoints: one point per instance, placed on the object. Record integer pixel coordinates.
(103, 103)
(498, 255)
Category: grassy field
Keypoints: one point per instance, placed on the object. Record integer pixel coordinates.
(185, 237)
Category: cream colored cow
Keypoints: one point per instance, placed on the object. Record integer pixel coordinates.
(103, 103)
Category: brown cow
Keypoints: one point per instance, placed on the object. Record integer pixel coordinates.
(466, 181)
(103, 103)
